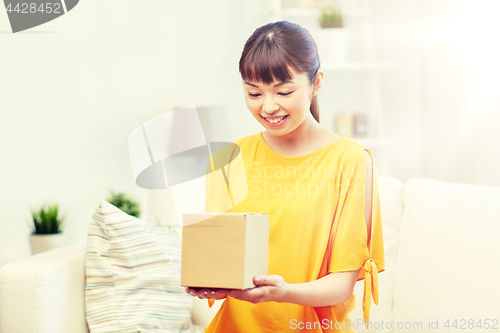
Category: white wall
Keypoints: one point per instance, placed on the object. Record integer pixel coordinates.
(394, 24)
(461, 91)
(442, 102)
(73, 89)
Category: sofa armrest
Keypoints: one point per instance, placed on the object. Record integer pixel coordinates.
(45, 292)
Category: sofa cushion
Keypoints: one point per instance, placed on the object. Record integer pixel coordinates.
(446, 259)
(133, 276)
(391, 205)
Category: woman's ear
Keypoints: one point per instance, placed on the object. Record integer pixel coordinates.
(318, 82)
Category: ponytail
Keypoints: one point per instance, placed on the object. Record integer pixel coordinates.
(315, 108)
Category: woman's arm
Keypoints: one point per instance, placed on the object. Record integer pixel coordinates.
(335, 288)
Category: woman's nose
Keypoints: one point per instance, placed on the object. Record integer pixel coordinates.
(270, 105)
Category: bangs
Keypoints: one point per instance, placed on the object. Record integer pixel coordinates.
(266, 64)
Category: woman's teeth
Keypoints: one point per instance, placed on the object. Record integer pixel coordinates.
(275, 120)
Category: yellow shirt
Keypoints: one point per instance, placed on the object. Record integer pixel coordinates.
(302, 195)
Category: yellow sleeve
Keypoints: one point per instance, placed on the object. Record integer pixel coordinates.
(348, 248)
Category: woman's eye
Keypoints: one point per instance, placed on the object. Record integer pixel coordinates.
(282, 94)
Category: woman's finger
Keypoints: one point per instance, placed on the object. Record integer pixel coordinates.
(196, 292)
(207, 293)
(264, 280)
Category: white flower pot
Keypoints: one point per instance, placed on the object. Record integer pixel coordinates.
(41, 243)
(333, 44)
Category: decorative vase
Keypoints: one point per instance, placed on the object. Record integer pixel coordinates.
(344, 124)
(45, 242)
(333, 44)
(359, 125)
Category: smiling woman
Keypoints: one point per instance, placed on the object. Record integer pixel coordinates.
(274, 58)
(286, 103)
(325, 230)
(288, 111)
(268, 103)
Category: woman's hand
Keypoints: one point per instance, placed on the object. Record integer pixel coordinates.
(269, 288)
(206, 293)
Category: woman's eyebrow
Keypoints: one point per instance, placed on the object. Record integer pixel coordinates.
(276, 85)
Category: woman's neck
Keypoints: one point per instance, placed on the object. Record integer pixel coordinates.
(308, 132)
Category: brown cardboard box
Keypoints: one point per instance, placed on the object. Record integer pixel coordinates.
(224, 250)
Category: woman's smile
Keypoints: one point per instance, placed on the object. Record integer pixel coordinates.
(275, 121)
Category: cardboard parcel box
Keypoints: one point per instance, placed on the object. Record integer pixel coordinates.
(224, 250)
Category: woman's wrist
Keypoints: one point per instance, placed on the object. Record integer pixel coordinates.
(290, 293)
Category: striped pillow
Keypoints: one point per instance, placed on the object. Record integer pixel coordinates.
(133, 276)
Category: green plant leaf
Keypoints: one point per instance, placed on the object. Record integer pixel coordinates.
(46, 220)
(331, 17)
(124, 202)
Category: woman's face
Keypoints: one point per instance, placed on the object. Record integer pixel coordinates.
(281, 106)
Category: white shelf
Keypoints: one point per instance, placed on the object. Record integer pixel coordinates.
(357, 66)
(314, 12)
(356, 17)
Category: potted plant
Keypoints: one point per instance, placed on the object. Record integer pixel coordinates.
(47, 229)
(124, 202)
(333, 37)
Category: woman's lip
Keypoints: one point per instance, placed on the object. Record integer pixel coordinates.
(274, 117)
(276, 124)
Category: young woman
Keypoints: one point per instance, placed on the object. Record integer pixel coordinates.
(319, 189)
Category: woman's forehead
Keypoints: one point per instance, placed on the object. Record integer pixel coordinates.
(296, 79)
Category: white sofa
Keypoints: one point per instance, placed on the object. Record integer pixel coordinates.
(441, 264)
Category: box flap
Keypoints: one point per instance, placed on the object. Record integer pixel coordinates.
(190, 218)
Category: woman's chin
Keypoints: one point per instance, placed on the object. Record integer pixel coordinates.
(277, 131)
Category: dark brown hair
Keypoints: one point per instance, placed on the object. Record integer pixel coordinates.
(273, 48)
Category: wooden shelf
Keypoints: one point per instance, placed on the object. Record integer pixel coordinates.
(357, 66)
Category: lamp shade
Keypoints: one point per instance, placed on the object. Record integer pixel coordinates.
(171, 152)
